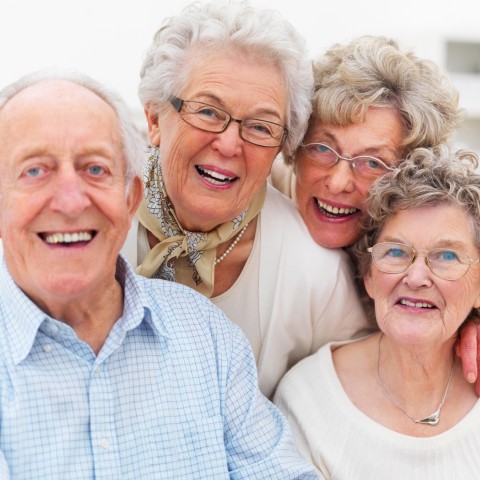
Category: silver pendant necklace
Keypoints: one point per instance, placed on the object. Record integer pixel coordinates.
(433, 419)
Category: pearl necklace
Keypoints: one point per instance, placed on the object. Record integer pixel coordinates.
(232, 246)
(432, 419)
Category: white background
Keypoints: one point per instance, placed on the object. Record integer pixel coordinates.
(107, 39)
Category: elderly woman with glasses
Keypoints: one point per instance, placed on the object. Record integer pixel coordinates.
(374, 103)
(225, 88)
(395, 405)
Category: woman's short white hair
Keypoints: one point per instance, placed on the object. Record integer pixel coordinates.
(236, 28)
(132, 142)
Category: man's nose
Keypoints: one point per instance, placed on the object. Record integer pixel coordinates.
(70, 196)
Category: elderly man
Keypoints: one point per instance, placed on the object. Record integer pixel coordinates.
(103, 374)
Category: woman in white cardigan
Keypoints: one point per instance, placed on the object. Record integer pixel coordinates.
(225, 88)
(396, 405)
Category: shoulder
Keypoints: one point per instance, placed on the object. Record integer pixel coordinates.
(281, 214)
(175, 298)
(307, 369)
(181, 311)
(355, 359)
(282, 224)
(282, 177)
(275, 200)
(306, 381)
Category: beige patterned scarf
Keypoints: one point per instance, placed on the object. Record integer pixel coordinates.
(183, 256)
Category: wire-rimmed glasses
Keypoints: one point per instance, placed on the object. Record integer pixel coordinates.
(445, 263)
(364, 166)
(213, 119)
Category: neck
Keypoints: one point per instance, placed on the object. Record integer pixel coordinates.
(92, 318)
(414, 364)
(414, 383)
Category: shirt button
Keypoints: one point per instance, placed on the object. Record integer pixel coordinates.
(104, 443)
(47, 348)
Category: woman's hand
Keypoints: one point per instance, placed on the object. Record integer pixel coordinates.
(467, 348)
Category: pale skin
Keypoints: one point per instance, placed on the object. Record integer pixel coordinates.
(380, 135)
(245, 89)
(417, 345)
(63, 172)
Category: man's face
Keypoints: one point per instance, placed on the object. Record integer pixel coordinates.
(64, 210)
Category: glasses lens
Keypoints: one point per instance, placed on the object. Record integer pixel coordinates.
(262, 132)
(204, 116)
(212, 119)
(321, 154)
(369, 167)
(448, 264)
(392, 257)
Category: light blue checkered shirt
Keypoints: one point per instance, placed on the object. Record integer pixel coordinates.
(171, 395)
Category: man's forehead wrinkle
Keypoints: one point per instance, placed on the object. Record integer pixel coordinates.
(53, 93)
(51, 97)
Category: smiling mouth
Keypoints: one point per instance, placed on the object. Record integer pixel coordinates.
(408, 303)
(335, 212)
(67, 239)
(214, 177)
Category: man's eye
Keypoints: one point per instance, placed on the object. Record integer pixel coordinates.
(34, 172)
(96, 170)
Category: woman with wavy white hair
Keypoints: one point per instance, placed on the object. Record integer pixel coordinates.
(225, 88)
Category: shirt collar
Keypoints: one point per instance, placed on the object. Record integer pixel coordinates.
(136, 305)
(21, 318)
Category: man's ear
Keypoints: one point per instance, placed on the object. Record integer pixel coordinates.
(135, 195)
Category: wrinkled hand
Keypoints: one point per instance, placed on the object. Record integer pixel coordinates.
(467, 348)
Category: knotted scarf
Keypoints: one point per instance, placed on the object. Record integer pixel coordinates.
(183, 256)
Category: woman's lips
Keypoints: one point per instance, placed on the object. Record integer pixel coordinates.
(331, 211)
(214, 177)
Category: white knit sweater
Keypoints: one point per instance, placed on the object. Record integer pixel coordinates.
(345, 444)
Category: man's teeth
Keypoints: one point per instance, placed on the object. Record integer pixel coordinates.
(335, 210)
(68, 237)
(416, 304)
(215, 177)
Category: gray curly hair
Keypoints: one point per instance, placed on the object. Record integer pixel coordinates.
(428, 177)
(236, 27)
(375, 71)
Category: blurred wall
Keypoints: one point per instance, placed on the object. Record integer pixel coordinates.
(106, 39)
